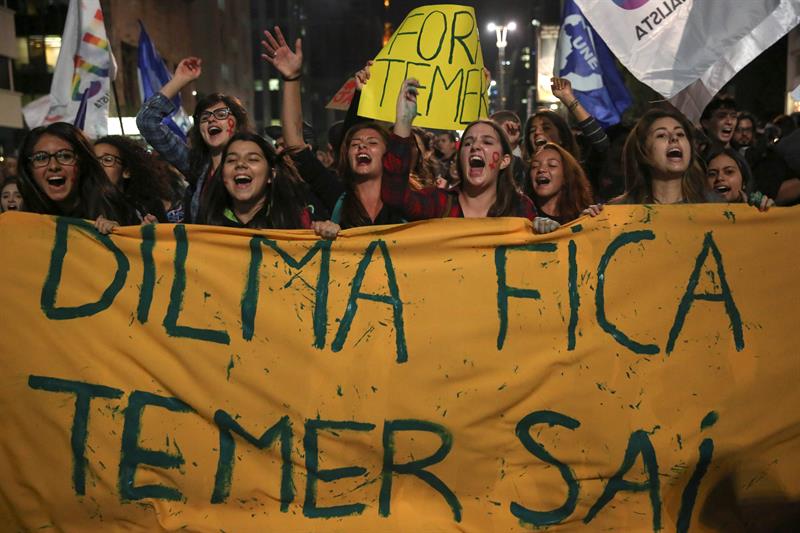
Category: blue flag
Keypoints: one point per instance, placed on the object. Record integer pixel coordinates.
(153, 74)
(584, 59)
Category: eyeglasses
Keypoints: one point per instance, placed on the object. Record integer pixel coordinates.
(219, 114)
(108, 160)
(63, 157)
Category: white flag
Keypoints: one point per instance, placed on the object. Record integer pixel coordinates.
(84, 62)
(688, 49)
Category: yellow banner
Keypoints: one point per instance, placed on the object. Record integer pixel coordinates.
(635, 372)
(438, 45)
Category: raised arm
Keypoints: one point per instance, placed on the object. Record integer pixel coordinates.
(289, 65)
(591, 129)
(406, 108)
(395, 191)
(158, 107)
(188, 70)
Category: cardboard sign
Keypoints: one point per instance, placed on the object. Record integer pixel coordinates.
(634, 372)
(438, 45)
(341, 100)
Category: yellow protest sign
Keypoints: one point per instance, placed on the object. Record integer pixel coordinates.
(438, 45)
(635, 372)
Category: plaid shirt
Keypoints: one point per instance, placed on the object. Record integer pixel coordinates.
(171, 147)
(426, 203)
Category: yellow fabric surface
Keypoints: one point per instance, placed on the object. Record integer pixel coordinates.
(449, 375)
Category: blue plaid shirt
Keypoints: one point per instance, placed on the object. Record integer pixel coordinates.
(171, 147)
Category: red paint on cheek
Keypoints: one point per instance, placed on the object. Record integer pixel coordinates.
(230, 125)
(495, 160)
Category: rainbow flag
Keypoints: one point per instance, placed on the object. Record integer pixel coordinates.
(83, 73)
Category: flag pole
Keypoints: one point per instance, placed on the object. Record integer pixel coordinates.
(116, 104)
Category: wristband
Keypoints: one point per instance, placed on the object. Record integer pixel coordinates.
(573, 104)
(295, 78)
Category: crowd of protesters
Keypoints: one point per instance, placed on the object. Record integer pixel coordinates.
(550, 169)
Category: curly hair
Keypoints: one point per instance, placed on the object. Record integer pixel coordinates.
(149, 183)
(423, 172)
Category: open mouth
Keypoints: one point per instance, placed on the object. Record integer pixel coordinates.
(727, 131)
(56, 181)
(11, 207)
(722, 189)
(214, 130)
(539, 141)
(476, 162)
(542, 180)
(675, 154)
(363, 159)
(476, 165)
(242, 180)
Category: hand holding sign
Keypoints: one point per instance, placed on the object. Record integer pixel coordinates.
(406, 107)
(362, 76)
(278, 54)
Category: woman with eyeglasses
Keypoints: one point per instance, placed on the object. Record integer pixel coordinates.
(59, 175)
(217, 117)
(147, 183)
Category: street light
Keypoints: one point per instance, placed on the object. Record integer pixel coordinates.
(533, 90)
(501, 30)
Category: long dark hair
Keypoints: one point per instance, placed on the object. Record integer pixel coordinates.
(286, 192)
(506, 203)
(149, 183)
(748, 180)
(568, 140)
(199, 154)
(576, 193)
(96, 194)
(637, 164)
(353, 213)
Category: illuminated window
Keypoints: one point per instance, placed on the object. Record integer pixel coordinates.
(22, 51)
(52, 45)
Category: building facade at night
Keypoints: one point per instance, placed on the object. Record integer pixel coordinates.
(339, 37)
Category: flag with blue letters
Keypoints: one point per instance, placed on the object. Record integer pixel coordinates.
(153, 74)
(584, 59)
(687, 50)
